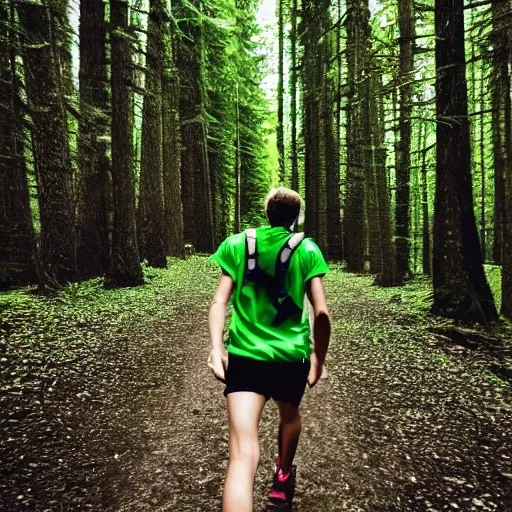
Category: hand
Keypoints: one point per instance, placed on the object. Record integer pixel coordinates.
(317, 371)
(218, 362)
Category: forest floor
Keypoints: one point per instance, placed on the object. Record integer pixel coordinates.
(107, 403)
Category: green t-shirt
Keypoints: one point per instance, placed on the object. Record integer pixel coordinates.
(251, 331)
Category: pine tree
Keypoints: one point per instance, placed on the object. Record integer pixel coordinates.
(460, 286)
(195, 173)
(17, 243)
(171, 132)
(125, 269)
(403, 171)
(93, 249)
(354, 219)
(151, 226)
(50, 141)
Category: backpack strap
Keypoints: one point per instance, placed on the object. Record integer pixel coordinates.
(251, 254)
(283, 261)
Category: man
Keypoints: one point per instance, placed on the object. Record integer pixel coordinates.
(266, 273)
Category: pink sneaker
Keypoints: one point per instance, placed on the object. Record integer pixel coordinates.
(283, 485)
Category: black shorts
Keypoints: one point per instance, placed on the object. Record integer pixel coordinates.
(284, 382)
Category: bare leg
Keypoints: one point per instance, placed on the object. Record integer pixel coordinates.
(244, 411)
(290, 427)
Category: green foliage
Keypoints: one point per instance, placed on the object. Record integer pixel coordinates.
(86, 313)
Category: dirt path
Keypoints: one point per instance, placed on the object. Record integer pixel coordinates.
(396, 426)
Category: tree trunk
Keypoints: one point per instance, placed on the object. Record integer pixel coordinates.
(93, 249)
(460, 286)
(238, 163)
(370, 127)
(499, 78)
(50, 147)
(171, 133)
(309, 38)
(506, 277)
(195, 176)
(17, 243)
(280, 93)
(125, 269)
(403, 169)
(151, 226)
(354, 220)
(387, 275)
(426, 257)
(502, 37)
(318, 120)
(62, 36)
(483, 226)
(332, 163)
(293, 101)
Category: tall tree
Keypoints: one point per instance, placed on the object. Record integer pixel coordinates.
(125, 269)
(93, 248)
(50, 147)
(386, 275)
(280, 92)
(331, 149)
(460, 286)
(425, 259)
(17, 243)
(311, 70)
(500, 83)
(222, 69)
(354, 219)
(293, 98)
(151, 226)
(406, 24)
(171, 132)
(195, 173)
(502, 147)
(321, 165)
(506, 281)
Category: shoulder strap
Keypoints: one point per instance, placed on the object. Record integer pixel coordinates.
(283, 259)
(250, 252)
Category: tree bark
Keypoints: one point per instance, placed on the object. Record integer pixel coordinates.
(354, 219)
(171, 135)
(195, 174)
(151, 226)
(125, 269)
(483, 227)
(316, 119)
(93, 245)
(370, 127)
(403, 169)
(460, 286)
(387, 276)
(17, 242)
(280, 93)
(50, 147)
(502, 120)
(293, 102)
(238, 162)
(331, 156)
(426, 256)
(499, 79)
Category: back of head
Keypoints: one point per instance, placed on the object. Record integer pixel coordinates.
(282, 206)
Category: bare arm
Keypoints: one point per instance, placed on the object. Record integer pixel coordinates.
(217, 360)
(321, 327)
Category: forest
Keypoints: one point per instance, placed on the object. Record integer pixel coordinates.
(143, 130)
(136, 135)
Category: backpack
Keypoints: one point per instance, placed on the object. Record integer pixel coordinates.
(276, 284)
